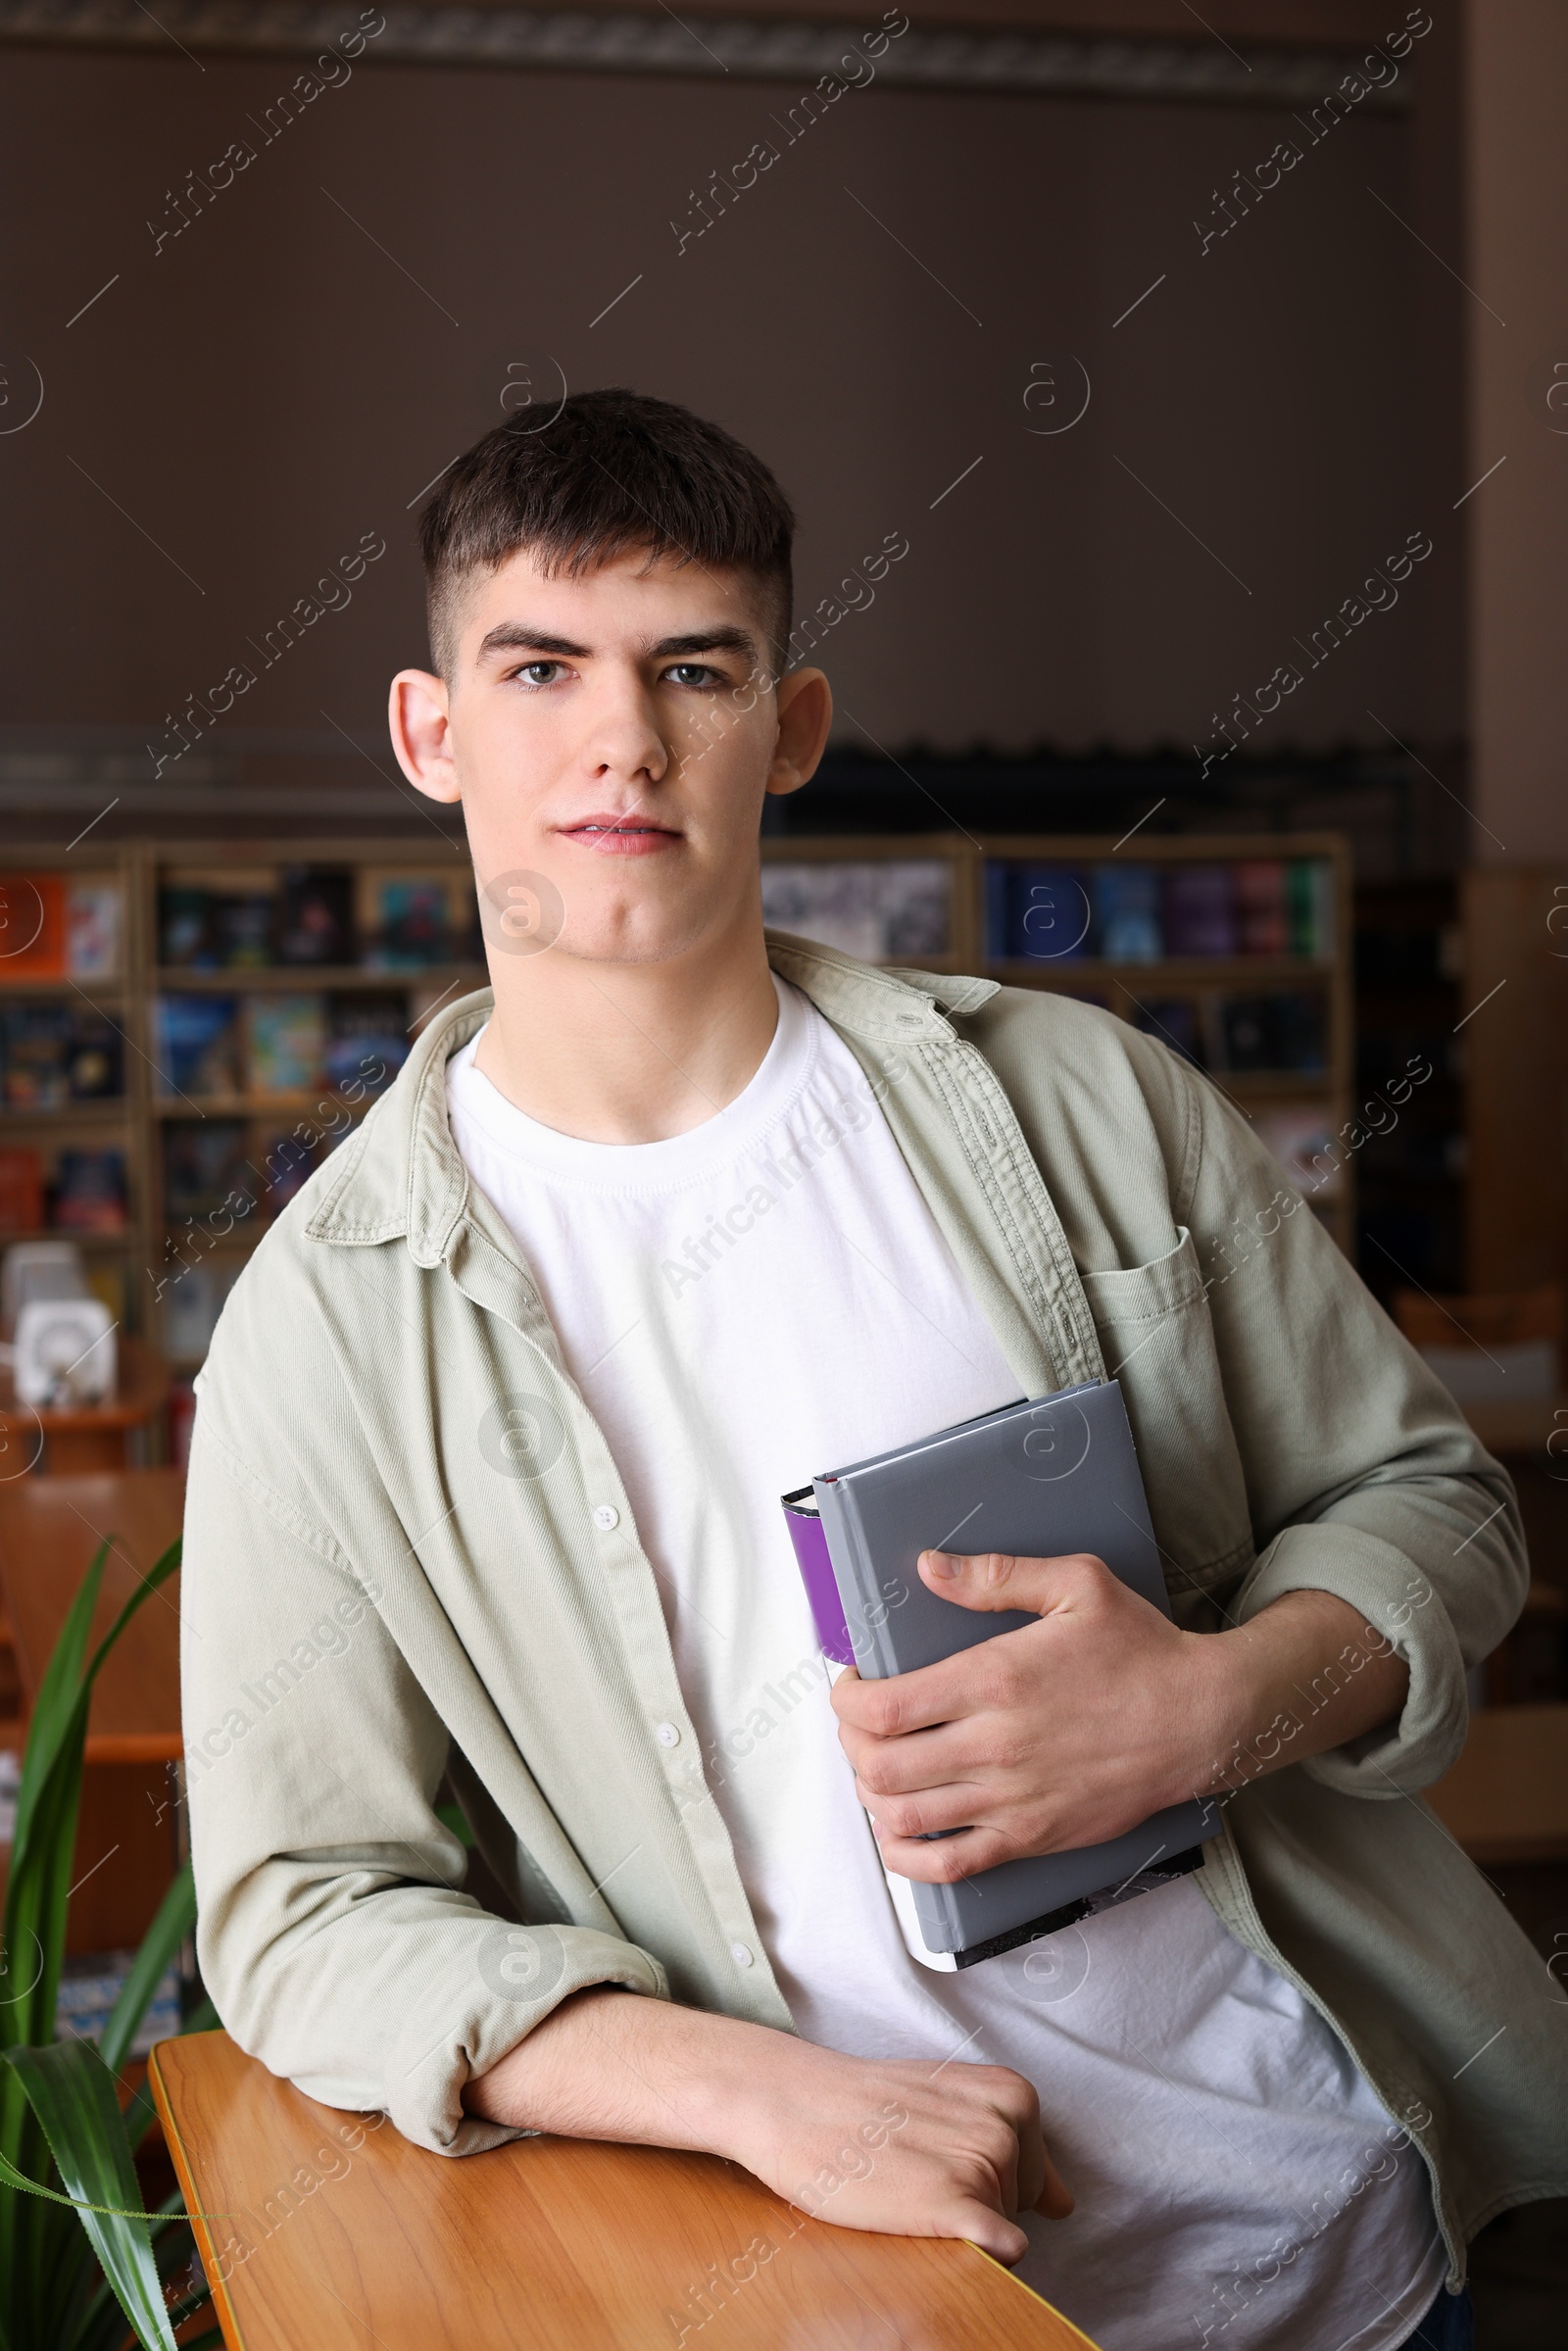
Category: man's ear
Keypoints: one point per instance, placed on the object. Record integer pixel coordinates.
(805, 715)
(420, 717)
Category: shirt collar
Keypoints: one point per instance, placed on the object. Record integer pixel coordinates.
(402, 1175)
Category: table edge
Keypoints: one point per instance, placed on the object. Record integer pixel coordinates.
(227, 2319)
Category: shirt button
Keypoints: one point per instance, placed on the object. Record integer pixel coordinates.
(668, 1736)
(606, 1516)
(740, 1954)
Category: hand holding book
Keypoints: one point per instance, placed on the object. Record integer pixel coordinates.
(1065, 1733)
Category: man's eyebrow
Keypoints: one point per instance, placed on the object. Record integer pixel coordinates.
(520, 636)
(703, 640)
(517, 636)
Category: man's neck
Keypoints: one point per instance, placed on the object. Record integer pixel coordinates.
(630, 1053)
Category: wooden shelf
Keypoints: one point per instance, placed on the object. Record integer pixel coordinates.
(251, 1105)
(328, 978)
(128, 1236)
(1169, 972)
(105, 1111)
(239, 1242)
(72, 983)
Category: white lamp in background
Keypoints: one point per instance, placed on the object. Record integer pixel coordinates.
(64, 1351)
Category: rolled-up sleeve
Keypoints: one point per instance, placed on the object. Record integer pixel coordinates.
(334, 1933)
(1364, 1478)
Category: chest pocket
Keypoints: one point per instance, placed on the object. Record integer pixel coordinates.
(1155, 1327)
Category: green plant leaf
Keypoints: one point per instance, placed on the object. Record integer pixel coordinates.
(177, 1915)
(58, 1695)
(72, 2091)
(36, 2283)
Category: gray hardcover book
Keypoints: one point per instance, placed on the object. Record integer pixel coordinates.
(1039, 1479)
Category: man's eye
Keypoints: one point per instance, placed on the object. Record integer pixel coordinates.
(540, 673)
(689, 673)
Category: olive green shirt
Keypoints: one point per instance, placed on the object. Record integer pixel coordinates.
(409, 1559)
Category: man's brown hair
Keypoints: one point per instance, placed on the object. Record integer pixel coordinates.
(611, 474)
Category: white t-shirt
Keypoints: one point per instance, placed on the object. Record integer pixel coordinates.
(743, 1306)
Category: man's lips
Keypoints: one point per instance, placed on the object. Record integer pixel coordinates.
(612, 835)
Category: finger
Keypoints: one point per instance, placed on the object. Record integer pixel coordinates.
(920, 1760)
(997, 1579)
(992, 2231)
(947, 1860)
(1055, 2200)
(927, 1811)
(1031, 2165)
(915, 1701)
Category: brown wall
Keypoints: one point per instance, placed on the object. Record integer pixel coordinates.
(1517, 84)
(271, 383)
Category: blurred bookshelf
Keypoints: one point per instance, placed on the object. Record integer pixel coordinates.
(188, 1028)
(1238, 960)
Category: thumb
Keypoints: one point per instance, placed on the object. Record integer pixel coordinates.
(993, 1580)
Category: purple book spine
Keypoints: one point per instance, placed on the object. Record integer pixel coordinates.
(821, 1584)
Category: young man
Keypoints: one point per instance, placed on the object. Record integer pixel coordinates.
(486, 1492)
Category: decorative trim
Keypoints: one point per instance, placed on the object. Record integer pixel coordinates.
(1056, 65)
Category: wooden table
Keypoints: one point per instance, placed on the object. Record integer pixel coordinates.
(1506, 1799)
(49, 1530)
(79, 1438)
(339, 2234)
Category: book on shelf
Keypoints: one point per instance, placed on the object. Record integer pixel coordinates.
(33, 926)
(206, 1168)
(1284, 1030)
(94, 1062)
(876, 910)
(1143, 913)
(996, 909)
(92, 928)
(367, 1042)
(285, 1042)
(197, 1044)
(1177, 1021)
(20, 1189)
(244, 926)
(316, 918)
(1262, 922)
(219, 921)
(53, 1055)
(1127, 926)
(89, 1191)
(192, 1301)
(1199, 910)
(1050, 913)
(1309, 907)
(285, 1160)
(36, 1055)
(409, 920)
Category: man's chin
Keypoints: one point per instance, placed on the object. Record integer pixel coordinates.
(593, 940)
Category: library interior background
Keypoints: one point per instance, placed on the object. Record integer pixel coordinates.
(1181, 459)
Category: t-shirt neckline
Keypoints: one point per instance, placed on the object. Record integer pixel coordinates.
(769, 1096)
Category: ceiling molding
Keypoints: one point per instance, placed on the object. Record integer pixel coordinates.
(780, 49)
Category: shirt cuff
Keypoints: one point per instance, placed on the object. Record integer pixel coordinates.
(1397, 1601)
